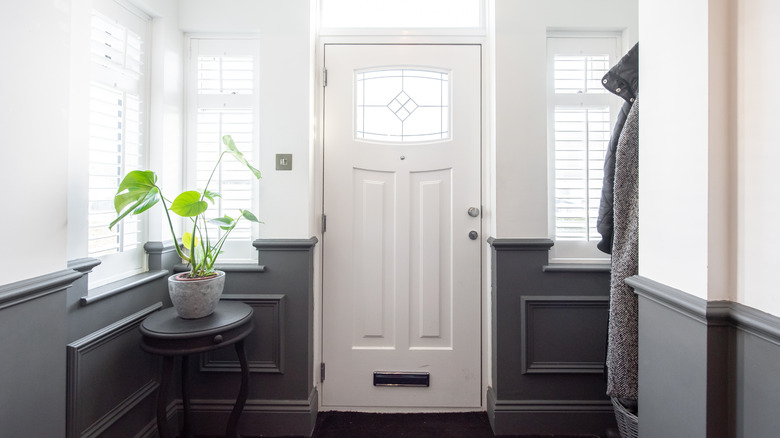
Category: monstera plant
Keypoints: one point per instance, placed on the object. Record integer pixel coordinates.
(138, 192)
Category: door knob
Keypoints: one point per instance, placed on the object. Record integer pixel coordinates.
(473, 235)
(473, 212)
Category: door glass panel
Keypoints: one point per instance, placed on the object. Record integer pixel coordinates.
(402, 105)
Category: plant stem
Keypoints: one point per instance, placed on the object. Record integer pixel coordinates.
(173, 234)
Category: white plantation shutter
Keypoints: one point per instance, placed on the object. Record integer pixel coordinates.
(581, 139)
(223, 101)
(116, 126)
(232, 179)
(580, 118)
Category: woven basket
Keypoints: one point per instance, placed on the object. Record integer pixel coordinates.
(628, 423)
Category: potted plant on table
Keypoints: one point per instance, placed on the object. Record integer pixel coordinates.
(195, 293)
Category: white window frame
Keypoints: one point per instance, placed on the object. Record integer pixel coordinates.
(123, 264)
(234, 251)
(570, 43)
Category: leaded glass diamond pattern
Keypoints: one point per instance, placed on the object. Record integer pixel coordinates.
(402, 105)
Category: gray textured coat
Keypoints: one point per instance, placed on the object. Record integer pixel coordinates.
(623, 348)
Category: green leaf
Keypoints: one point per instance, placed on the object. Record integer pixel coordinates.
(249, 216)
(226, 223)
(233, 150)
(208, 194)
(187, 240)
(136, 193)
(188, 204)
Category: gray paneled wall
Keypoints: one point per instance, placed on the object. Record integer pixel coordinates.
(282, 398)
(73, 366)
(549, 342)
(706, 369)
(32, 362)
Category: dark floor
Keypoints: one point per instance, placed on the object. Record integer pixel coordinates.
(443, 425)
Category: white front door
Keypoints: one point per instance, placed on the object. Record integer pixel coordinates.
(401, 253)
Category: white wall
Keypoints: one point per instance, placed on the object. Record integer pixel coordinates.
(521, 100)
(674, 143)
(39, 104)
(708, 148)
(34, 131)
(286, 70)
(758, 152)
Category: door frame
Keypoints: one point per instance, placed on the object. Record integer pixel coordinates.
(487, 188)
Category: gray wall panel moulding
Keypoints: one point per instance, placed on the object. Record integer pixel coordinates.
(120, 286)
(228, 267)
(32, 288)
(500, 244)
(265, 347)
(285, 244)
(549, 345)
(159, 247)
(754, 321)
(85, 368)
(714, 313)
(577, 267)
(675, 299)
(545, 417)
(83, 265)
(260, 417)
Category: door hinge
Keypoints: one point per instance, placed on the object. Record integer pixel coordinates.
(324, 223)
(322, 372)
(324, 77)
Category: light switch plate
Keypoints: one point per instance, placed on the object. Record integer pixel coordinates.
(283, 161)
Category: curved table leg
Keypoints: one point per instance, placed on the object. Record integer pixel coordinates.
(162, 411)
(232, 428)
(185, 396)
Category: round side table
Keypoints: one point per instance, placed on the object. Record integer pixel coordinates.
(166, 334)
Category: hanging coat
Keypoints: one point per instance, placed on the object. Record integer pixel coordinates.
(623, 345)
(621, 80)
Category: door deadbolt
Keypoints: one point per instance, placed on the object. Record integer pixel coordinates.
(473, 212)
(473, 235)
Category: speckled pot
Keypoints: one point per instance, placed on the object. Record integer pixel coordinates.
(195, 297)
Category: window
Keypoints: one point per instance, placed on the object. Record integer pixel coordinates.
(401, 14)
(223, 99)
(581, 115)
(117, 134)
(402, 105)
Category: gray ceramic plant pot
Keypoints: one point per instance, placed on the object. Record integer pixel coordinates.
(195, 298)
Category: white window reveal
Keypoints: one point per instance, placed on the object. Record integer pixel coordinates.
(402, 105)
(581, 115)
(118, 128)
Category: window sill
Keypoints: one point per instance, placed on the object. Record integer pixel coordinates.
(227, 267)
(578, 267)
(117, 287)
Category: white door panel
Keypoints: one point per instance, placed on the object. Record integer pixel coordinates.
(401, 277)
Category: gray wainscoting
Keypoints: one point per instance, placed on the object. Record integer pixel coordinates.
(72, 365)
(32, 362)
(282, 398)
(706, 369)
(549, 343)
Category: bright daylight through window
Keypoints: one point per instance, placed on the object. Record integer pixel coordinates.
(401, 14)
(580, 123)
(223, 101)
(115, 128)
